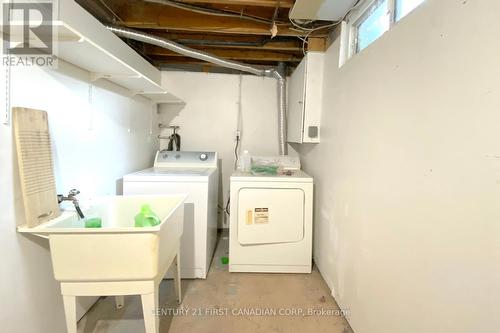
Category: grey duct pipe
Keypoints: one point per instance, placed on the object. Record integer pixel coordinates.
(197, 54)
(280, 77)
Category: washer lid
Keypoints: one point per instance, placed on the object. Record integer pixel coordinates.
(297, 176)
(170, 174)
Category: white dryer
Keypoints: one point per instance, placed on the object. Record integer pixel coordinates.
(196, 174)
(271, 223)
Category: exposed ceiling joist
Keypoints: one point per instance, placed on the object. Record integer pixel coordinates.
(156, 16)
(233, 54)
(213, 26)
(167, 62)
(229, 36)
(152, 16)
(316, 44)
(274, 46)
(258, 3)
(291, 44)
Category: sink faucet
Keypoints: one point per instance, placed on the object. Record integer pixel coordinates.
(71, 197)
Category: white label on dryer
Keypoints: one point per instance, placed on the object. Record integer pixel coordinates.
(261, 215)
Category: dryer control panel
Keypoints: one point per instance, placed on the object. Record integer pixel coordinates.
(185, 159)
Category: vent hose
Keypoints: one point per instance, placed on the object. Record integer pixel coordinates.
(281, 80)
(197, 54)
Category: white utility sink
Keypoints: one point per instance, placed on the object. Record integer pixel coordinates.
(117, 259)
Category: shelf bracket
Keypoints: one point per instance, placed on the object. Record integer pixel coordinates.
(133, 93)
(98, 76)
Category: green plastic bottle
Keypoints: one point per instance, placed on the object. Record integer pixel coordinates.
(146, 217)
(93, 222)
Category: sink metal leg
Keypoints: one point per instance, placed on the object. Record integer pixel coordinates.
(177, 277)
(70, 312)
(149, 310)
(120, 301)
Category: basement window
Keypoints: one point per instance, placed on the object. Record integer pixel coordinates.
(370, 20)
(403, 7)
(372, 25)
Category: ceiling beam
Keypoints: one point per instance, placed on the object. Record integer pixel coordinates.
(232, 41)
(212, 26)
(279, 46)
(316, 44)
(163, 61)
(257, 3)
(271, 46)
(154, 16)
(243, 55)
(199, 41)
(232, 38)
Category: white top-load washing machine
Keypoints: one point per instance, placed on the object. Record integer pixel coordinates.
(271, 221)
(194, 173)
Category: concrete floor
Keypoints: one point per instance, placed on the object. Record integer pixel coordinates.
(241, 295)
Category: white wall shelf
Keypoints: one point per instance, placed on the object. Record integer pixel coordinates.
(85, 42)
(163, 98)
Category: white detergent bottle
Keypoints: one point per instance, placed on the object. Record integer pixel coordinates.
(245, 161)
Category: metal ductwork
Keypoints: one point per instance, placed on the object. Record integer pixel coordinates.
(197, 54)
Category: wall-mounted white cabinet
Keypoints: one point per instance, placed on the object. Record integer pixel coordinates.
(85, 42)
(305, 92)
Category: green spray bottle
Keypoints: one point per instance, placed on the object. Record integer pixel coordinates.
(146, 217)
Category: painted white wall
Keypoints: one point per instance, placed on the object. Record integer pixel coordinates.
(98, 136)
(408, 174)
(208, 121)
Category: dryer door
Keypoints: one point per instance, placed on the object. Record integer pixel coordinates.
(270, 215)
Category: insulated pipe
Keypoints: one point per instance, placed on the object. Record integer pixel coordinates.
(279, 75)
(197, 54)
(184, 50)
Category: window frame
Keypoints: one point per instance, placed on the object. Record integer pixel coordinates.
(349, 29)
(357, 17)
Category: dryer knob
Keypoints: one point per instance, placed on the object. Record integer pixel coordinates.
(203, 156)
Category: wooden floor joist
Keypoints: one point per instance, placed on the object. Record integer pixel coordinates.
(316, 44)
(232, 38)
(213, 25)
(241, 55)
(257, 3)
(159, 17)
(162, 61)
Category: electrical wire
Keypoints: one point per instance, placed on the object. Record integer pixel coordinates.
(238, 122)
(215, 12)
(111, 10)
(236, 152)
(238, 138)
(227, 209)
(330, 25)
